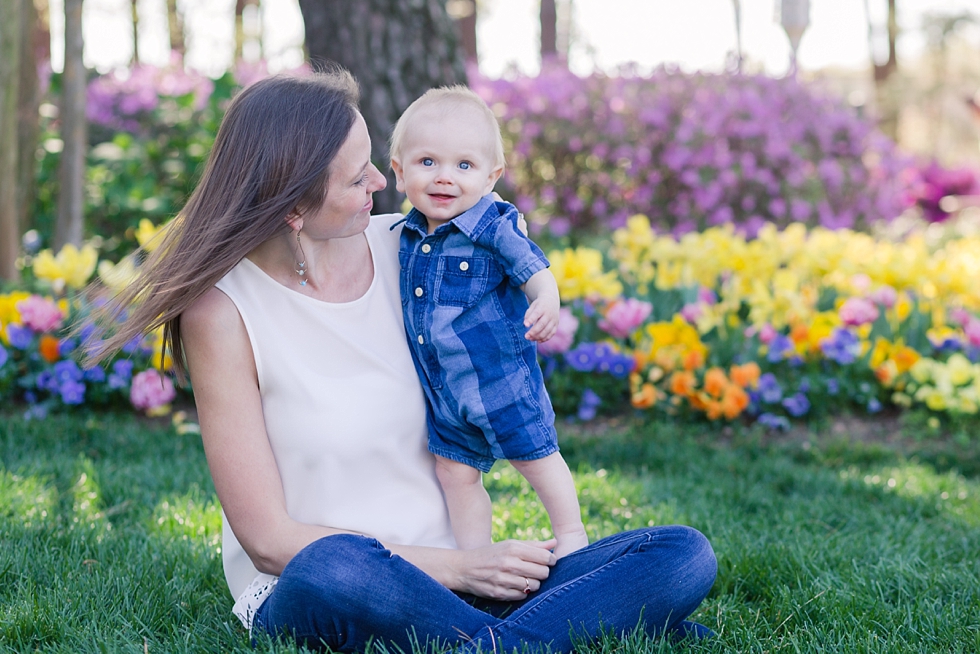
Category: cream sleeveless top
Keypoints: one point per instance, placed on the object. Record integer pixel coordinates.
(344, 412)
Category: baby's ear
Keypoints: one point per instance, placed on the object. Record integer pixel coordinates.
(492, 179)
(396, 167)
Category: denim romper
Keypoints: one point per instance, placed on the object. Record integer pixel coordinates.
(464, 317)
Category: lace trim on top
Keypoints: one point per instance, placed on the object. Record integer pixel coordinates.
(249, 601)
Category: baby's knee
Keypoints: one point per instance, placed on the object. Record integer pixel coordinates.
(453, 473)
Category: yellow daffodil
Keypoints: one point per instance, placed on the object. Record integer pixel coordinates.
(150, 236)
(72, 267)
(118, 276)
(579, 274)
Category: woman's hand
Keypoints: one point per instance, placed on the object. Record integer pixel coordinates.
(508, 570)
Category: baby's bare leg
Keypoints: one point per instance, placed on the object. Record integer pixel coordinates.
(553, 483)
(468, 502)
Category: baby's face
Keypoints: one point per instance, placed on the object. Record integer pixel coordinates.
(446, 164)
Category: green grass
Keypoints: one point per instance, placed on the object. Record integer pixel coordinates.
(110, 537)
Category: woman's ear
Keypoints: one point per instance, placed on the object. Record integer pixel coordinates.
(294, 220)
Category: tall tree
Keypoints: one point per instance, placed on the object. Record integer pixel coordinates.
(35, 46)
(397, 50)
(134, 11)
(549, 29)
(240, 35)
(883, 71)
(71, 175)
(175, 23)
(10, 48)
(464, 13)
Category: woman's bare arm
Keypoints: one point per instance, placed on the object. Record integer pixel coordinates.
(246, 478)
(226, 391)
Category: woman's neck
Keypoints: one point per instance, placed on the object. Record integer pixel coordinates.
(337, 270)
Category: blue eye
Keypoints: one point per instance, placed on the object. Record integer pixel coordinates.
(465, 165)
(428, 162)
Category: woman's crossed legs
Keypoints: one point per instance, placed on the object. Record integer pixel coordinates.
(343, 591)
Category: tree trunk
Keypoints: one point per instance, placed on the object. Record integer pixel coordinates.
(464, 13)
(397, 50)
(175, 23)
(71, 177)
(10, 49)
(136, 31)
(549, 29)
(29, 98)
(885, 94)
(240, 35)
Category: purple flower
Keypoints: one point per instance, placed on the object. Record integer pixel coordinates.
(769, 389)
(797, 405)
(67, 346)
(36, 412)
(833, 386)
(781, 347)
(72, 392)
(772, 421)
(19, 336)
(874, 405)
(588, 405)
(47, 381)
(583, 358)
(95, 374)
(123, 368)
(843, 346)
(3, 356)
(67, 371)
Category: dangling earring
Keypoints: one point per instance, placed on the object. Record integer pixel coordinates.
(301, 265)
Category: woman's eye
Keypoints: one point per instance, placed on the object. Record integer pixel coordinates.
(465, 165)
(428, 162)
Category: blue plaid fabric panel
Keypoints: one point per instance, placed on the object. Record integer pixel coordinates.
(464, 317)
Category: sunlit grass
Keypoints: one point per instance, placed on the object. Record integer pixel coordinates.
(110, 538)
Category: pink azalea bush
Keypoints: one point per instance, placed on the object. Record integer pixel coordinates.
(691, 151)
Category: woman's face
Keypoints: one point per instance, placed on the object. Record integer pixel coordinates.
(352, 178)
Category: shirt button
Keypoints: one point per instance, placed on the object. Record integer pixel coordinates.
(418, 292)
(421, 340)
(426, 248)
(463, 265)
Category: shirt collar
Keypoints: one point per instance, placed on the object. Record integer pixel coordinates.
(471, 222)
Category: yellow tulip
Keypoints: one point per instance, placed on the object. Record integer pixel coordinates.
(149, 236)
(118, 276)
(72, 266)
(579, 274)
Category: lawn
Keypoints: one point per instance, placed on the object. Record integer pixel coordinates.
(110, 535)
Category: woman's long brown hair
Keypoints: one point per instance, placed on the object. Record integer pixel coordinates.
(270, 158)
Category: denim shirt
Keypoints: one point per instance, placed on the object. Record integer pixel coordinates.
(461, 281)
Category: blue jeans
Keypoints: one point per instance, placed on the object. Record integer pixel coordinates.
(343, 591)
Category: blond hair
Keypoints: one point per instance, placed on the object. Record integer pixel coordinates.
(445, 99)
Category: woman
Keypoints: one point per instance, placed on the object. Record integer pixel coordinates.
(279, 296)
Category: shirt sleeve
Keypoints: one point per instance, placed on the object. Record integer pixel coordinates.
(519, 255)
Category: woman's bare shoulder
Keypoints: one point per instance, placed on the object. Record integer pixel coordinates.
(213, 312)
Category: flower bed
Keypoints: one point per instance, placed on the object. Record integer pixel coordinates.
(793, 324)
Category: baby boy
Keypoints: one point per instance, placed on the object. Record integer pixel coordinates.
(468, 273)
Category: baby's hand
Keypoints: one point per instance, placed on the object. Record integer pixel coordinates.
(542, 318)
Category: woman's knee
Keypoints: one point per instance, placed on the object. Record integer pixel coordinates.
(695, 559)
(334, 566)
